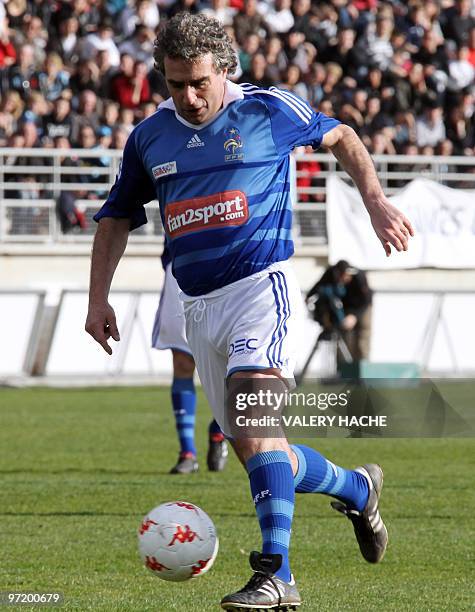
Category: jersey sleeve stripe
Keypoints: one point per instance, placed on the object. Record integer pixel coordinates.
(248, 86)
(282, 98)
(288, 94)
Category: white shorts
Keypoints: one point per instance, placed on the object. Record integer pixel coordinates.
(248, 325)
(169, 325)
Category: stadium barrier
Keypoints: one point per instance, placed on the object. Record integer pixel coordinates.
(422, 327)
(32, 180)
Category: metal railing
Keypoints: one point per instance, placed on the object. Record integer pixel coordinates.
(33, 184)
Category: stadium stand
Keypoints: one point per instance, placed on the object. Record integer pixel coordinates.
(78, 74)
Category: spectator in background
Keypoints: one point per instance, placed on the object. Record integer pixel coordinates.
(461, 71)
(307, 23)
(22, 75)
(222, 11)
(378, 43)
(144, 13)
(104, 75)
(381, 144)
(140, 45)
(257, 74)
(352, 117)
(12, 107)
(333, 77)
(430, 128)
(87, 76)
(126, 120)
(460, 131)
(326, 107)
(17, 11)
(36, 109)
(293, 81)
(87, 13)
(314, 81)
(59, 122)
(66, 44)
(31, 135)
(147, 110)
(457, 22)
(87, 114)
(110, 115)
(417, 23)
(250, 47)
(471, 46)
(404, 129)
(295, 50)
(276, 59)
(119, 138)
(32, 33)
(307, 171)
(351, 57)
(102, 40)
(131, 92)
(279, 17)
(249, 21)
(7, 48)
(417, 90)
(53, 79)
(71, 218)
(432, 51)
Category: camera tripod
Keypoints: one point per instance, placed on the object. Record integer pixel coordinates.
(326, 335)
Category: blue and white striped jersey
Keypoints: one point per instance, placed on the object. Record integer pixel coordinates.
(223, 187)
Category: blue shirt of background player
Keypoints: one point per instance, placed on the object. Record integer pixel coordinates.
(223, 187)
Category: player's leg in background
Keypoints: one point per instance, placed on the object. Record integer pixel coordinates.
(183, 395)
(217, 448)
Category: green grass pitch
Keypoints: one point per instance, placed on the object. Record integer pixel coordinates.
(79, 469)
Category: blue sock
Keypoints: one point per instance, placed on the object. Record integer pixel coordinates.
(215, 432)
(272, 488)
(318, 475)
(184, 408)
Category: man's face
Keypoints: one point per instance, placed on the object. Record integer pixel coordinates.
(197, 90)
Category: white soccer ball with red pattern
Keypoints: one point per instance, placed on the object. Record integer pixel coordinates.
(178, 541)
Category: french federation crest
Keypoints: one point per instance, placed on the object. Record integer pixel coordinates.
(232, 144)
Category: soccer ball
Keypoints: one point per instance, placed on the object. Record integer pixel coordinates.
(178, 541)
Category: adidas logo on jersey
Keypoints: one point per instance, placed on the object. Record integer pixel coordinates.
(195, 141)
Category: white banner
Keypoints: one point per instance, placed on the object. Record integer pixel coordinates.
(443, 219)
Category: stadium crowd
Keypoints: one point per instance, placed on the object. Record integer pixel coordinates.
(79, 73)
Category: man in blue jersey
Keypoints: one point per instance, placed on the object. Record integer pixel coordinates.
(216, 156)
(169, 333)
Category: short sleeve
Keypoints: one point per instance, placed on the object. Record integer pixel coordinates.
(294, 123)
(132, 189)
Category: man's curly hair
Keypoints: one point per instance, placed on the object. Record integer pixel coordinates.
(189, 37)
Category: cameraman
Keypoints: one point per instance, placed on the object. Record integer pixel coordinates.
(343, 304)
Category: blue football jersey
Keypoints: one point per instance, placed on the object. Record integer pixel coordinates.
(223, 187)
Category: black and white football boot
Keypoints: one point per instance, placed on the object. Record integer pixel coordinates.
(368, 525)
(264, 591)
(217, 456)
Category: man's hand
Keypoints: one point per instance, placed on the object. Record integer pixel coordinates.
(101, 324)
(391, 226)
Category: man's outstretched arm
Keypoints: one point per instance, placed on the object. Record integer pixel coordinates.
(390, 225)
(109, 245)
